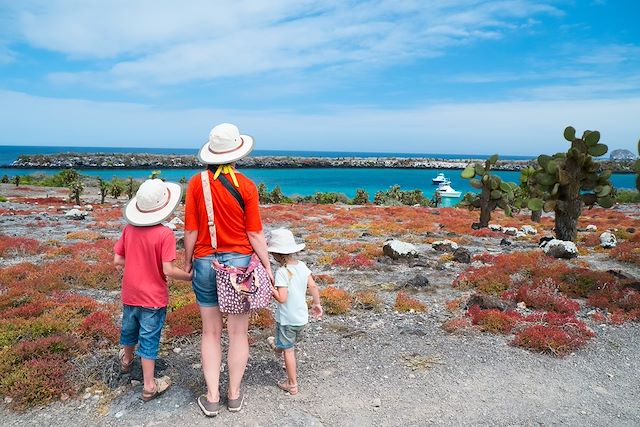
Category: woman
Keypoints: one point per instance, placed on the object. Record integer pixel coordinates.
(237, 235)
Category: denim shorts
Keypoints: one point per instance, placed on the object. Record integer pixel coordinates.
(142, 325)
(288, 335)
(204, 276)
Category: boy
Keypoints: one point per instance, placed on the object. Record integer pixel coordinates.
(147, 250)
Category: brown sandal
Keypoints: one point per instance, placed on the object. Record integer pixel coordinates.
(289, 388)
(162, 384)
(125, 368)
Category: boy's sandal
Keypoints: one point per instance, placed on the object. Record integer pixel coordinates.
(125, 368)
(289, 388)
(162, 384)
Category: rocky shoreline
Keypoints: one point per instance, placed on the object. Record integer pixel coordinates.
(174, 161)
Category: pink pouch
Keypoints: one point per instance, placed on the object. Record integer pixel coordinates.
(242, 289)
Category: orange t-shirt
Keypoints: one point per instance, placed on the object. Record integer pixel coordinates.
(231, 223)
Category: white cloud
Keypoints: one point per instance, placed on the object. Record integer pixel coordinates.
(167, 42)
(503, 127)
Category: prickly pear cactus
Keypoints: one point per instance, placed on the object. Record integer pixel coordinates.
(495, 193)
(565, 182)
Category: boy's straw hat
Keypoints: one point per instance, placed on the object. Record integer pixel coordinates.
(154, 202)
(225, 145)
(282, 242)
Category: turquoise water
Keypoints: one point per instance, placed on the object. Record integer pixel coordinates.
(309, 181)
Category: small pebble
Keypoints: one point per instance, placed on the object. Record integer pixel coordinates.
(177, 350)
(119, 414)
(376, 403)
(86, 396)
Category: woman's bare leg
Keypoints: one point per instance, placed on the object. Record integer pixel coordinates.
(211, 350)
(237, 326)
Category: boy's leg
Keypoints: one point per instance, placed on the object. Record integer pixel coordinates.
(211, 351)
(237, 327)
(151, 323)
(129, 332)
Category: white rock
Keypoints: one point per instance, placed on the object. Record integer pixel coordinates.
(561, 249)
(177, 350)
(608, 240)
(176, 220)
(376, 402)
(528, 229)
(511, 231)
(495, 227)
(396, 249)
(520, 234)
(522, 306)
(444, 245)
(8, 400)
(77, 207)
(88, 207)
(75, 214)
(170, 225)
(591, 228)
(119, 414)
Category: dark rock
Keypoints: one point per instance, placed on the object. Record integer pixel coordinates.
(626, 279)
(180, 243)
(631, 230)
(487, 302)
(505, 242)
(419, 281)
(476, 226)
(365, 234)
(462, 255)
(543, 241)
(560, 249)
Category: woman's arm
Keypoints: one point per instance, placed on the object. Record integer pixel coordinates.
(259, 244)
(190, 237)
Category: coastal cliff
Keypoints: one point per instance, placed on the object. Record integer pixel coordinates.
(175, 161)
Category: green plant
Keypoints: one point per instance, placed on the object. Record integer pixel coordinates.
(76, 188)
(495, 193)
(132, 186)
(565, 182)
(361, 197)
(116, 188)
(394, 196)
(5, 179)
(104, 189)
(627, 196)
(16, 180)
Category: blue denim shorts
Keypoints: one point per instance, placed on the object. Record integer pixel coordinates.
(287, 336)
(204, 276)
(142, 325)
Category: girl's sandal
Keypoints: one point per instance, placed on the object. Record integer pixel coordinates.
(162, 384)
(292, 389)
(125, 368)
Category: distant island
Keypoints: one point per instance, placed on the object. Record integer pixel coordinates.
(176, 161)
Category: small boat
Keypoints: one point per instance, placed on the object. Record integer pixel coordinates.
(438, 179)
(445, 190)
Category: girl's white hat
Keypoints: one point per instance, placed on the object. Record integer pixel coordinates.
(282, 242)
(154, 202)
(225, 145)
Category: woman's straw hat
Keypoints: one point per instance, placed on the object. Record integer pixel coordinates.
(154, 202)
(225, 145)
(282, 242)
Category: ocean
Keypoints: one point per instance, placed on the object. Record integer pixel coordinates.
(296, 181)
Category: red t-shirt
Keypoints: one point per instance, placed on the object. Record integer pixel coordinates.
(144, 250)
(231, 222)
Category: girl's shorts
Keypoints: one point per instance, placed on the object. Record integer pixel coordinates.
(288, 335)
(204, 275)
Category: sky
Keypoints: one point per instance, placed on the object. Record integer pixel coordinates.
(456, 76)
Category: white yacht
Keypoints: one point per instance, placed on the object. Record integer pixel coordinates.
(445, 190)
(439, 179)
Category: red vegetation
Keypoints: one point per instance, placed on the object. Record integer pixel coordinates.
(99, 325)
(352, 261)
(18, 246)
(494, 321)
(554, 339)
(184, 321)
(627, 251)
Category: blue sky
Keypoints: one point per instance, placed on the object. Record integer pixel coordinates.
(394, 76)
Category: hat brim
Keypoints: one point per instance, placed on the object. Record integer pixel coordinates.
(209, 158)
(286, 250)
(134, 217)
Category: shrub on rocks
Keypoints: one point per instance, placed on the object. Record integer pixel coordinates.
(406, 304)
(494, 321)
(627, 251)
(335, 301)
(368, 300)
(554, 339)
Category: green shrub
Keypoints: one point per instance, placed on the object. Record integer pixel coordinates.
(628, 196)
